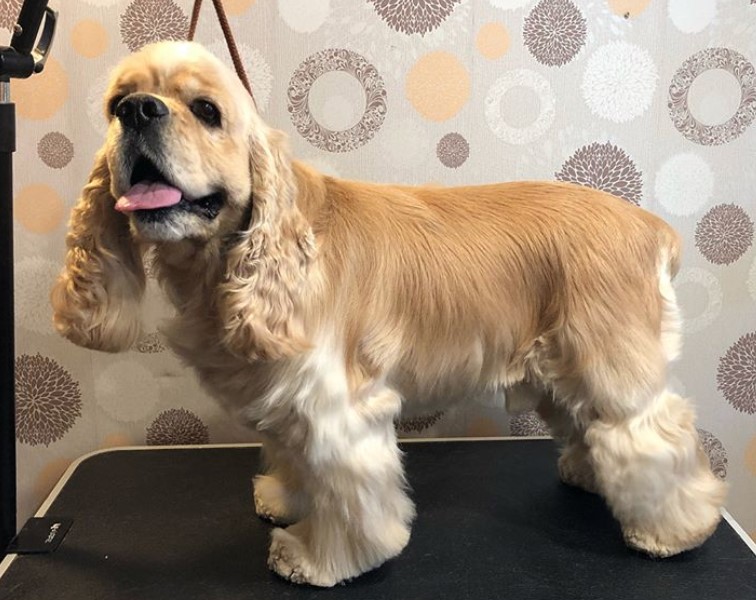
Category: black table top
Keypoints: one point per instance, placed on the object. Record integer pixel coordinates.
(494, 522)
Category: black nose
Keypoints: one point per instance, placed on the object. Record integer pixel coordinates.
(136, 111)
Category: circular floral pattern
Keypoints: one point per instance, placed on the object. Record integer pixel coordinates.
(147, 21)
(604, 167)
(418, 424)
(9, 10)
(414, 16)
(453, 150)
(55, 150)
(619, 81)
(716, 452)
(48, 400)
(33, 274)
(528, 424)
(177, 427)
(679, 111)
(509, 4)
(684, 184)
(736, 375)
(150, 343)
(257, 68)
(113, 379)
(713, 293)
(520, 78)
(301, 82)
(554, 32)
(724, 234)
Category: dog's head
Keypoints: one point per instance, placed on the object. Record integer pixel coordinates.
(187, 160)
(181, 133)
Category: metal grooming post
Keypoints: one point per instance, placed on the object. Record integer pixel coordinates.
(18, 61)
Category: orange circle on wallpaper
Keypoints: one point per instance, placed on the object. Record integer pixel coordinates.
(38, 208)
(628, 8)
(237, 7)
(48, 476)
(116, 440)
(483, 427)
(492, 40)
(41, 96)
(438, 86)
(750, 456)
(89, 38)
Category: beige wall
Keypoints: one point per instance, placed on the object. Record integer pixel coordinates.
(627, 95)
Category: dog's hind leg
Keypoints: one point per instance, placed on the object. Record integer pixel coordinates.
(641, 438)
(278, 494)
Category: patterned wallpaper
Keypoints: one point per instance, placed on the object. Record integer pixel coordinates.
(651, 100)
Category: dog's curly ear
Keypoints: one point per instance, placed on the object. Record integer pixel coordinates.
(97, 296)
(260, 301)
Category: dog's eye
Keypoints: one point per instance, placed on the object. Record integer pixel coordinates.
(207, 112)
(114, 102)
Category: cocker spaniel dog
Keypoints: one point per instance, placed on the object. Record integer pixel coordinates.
(315, 309)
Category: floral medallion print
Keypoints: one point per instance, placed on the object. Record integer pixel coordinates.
(736, 375)
(604, 167)
(414, 16)
(716, 452)
(706, 286)
(547, 106)
(177, 427)
(528, 424)
(684, 184)
(713, 58)
(147, 21)
(9, 10)
(724, 234)
(150, 343)
(554, 32)
(453, 150)
(304, 77)
(55, 150)
(48, 400)
(418, 424)
(619, 81)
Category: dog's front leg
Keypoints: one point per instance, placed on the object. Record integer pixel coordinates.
(360, 514)
(279, 493)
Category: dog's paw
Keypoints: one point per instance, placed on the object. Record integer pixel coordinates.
(274, 503)
(662, 545)
(290, 559)
(575, 470)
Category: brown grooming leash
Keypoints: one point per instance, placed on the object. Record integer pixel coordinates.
(232, 49)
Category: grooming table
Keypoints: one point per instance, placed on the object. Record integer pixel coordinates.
(494, 522)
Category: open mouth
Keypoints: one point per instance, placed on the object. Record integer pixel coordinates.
(152, 196)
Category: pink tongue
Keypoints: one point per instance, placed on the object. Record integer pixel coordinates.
(148, 195)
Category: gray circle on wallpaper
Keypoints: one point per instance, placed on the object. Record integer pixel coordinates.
(326, 61)
(413, 16)
(419, 423)
(713, 297)
(147, 21)
(684, 184)
(554, 32)
(48, 400)
(752, 276)
(517, 78)
(736, 374)
(176, 426)
(678, 103)
(724, 234)
(604, 167)
(453, 150)
(715, 451)
(55, 150)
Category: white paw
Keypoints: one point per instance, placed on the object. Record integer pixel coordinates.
(662, 545)
(274, 503)
(289, 558)
(575, 470)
